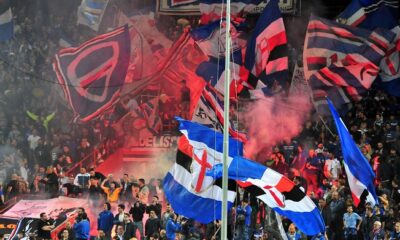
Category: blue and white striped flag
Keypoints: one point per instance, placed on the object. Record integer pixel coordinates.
(189, 191)
(6, 22)
(359, 173)
(90, 13)
(341, 61)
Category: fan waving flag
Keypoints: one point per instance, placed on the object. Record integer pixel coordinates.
(93, 74)
(371, 14)
(359, 173)
(341, 61)
(277, 191)
(6, 22)
(266, 54)
(190, 192)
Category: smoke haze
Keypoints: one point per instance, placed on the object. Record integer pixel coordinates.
(274, 120)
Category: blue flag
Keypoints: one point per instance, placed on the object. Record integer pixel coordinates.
(359, 173)
(371, 14)
(6, 23)
(275, 190)
(189, 191)
(266, 52)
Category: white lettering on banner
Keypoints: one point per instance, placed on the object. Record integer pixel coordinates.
(159, 141)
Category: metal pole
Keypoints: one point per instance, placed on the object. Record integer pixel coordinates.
(224, 211)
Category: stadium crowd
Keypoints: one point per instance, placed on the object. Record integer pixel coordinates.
(39, 146)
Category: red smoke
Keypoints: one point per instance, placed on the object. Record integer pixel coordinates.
(273, 120)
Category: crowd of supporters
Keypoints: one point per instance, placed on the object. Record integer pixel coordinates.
(39, 145)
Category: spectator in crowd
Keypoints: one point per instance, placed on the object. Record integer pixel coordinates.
(119, 217)
(105, 221)
(337, 207)
(154, 206)
(137, 212)
(352, 222)
(82, 179)
(396, 233)
(153, 225)
(112, 192)
(129, 227)
(44, 227)
(243, 220)
(292, 234)
(143, 191)
(165, 216)
(120, 234)
(67, 233)
(82, 227)
(173, 226)
(377, 232)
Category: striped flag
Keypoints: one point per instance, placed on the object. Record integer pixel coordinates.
(277, 191)
(266, 54)
(389, 77)
(90, 13)
(190, 192)
(369, 14)
(6, 22)
(211, 40)
(341, 61)
(359, 172)
(210, 112)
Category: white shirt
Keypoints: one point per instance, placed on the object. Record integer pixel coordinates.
(334, 167)
(33, 141)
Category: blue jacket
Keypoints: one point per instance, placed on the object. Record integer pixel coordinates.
(105, 221)
(171, 228)
(245, 211)
(82, 229)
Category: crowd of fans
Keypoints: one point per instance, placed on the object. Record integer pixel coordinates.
(39, 145)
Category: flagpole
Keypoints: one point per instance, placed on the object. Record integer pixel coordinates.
(224, 211)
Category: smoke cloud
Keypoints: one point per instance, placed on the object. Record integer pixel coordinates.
(274, 120)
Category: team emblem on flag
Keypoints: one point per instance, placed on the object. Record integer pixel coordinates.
(93, 74)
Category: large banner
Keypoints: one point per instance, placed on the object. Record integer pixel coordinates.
(166, 7)
(54, 207)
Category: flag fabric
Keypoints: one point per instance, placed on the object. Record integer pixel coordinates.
(341, 61)
(266, 53)
(181, 63)
(359, 172)
(212, 10)
(389, 76)
(174, 3)
(151, 115)
(211, 40)
(277, 191)
(149, 46)
(210, 112)
(93, 74)
(368, 14)
(6, 21)
(371, 14)
(189, 191)
(90, 13)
